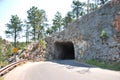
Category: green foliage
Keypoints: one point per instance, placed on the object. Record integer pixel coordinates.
(36, 19)
(21, 45)
(27, 31)
(14, 28)
(92, 7)
(103, 64)
(5, 50)
(103, 36)
(95, 62)
(9, 51)
(49, 31)
(101, 2)
(57, 22)
(78, 8)
(68, 19)
(42, 43)
(3, 63)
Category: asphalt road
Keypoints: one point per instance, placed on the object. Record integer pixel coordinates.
(60, 70)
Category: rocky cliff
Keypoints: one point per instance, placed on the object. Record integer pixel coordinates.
(34, 51)
(94, 36)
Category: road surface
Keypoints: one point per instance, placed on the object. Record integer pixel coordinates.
(60, 70)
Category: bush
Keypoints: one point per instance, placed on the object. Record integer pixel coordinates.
(21, 45)
(103, 35)
(5, 52)
(2, 64)
(42, 43)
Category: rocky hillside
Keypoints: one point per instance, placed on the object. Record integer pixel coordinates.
(35, 51)
(94, 36)
(5, 49)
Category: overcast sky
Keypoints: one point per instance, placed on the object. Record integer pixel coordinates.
(20, 7)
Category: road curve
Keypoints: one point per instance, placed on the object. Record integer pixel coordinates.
(60, 70)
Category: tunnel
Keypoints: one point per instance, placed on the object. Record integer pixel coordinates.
(64, 50)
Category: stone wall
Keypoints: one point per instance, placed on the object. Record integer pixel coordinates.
(85, 34)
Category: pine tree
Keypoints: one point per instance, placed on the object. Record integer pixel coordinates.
(78, 8)
(14, 27)
(68, 19)
(36, 18)
(57, 22)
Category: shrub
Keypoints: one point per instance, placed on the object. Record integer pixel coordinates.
(42, 43)
(103, 36)
(2, 64)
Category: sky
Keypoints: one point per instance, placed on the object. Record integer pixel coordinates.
(20, 7)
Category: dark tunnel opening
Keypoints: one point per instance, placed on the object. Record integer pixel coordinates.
(64, 50)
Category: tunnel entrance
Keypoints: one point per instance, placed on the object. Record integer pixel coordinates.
(64, 50)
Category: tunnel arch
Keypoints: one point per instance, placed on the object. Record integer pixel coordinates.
(64, 50)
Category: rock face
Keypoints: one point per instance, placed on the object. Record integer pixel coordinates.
(85, 35)
(34, 51)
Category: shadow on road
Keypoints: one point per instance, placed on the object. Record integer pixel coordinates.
(72, 63)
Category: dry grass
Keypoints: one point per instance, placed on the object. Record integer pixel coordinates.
(1, 78)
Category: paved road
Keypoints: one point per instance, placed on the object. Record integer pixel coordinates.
(60, 70)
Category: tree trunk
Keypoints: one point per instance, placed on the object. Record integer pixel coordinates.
(38, 35)
(34, 34)
(27, 38)
(27, 35)
(15, 38)
(88, 1)
(77, 12)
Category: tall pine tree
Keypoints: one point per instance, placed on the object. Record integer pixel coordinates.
(78, 8)
(13, 28)
(57, 22)
(36, 18)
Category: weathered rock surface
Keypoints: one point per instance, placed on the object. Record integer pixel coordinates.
(85, 33)
(34, 51)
